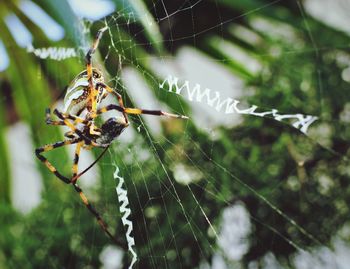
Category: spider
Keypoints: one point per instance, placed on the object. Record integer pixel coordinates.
(86, 92)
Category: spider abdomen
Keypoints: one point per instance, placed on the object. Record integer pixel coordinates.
(75, 101)
(110, 130)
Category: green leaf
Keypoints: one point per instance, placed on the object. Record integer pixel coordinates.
(5, 181)
(63, 13)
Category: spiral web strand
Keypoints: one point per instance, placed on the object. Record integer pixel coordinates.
(126, 211)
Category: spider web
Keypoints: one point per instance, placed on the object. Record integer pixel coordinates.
(224, 190)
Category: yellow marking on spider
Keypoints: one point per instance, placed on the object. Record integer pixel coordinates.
(49, 165)
(89, 70)
(70, 125)
(78, 120)
(69, 133)
(75, 168)
(48, 147)
(109, 89)
(77, 153)
(103, 110)
(83, 197)
(89, 147)
(94, 100)
(92, 130)
(133, 110)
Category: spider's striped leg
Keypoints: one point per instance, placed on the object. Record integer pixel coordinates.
(119, 98)
(92, 90)
(50, 147)
(66, 180)
(92, 50)
(76, 120)
(62, 116)
(67, 122)
(49, 120)
(76, 161)
(138, 111)
(70, 134)
(66, 119)
(94, 212)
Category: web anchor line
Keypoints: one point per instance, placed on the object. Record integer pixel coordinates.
(302, 122)
(124, 208)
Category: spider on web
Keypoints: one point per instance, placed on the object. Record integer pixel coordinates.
(85, 93)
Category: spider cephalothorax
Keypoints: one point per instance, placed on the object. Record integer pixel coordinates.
(78, 92)
(86, 92)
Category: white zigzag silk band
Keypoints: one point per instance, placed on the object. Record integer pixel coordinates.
(125, 210)
(302, 122)
(53, 53)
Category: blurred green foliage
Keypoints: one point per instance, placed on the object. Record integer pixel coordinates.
(299, 74)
